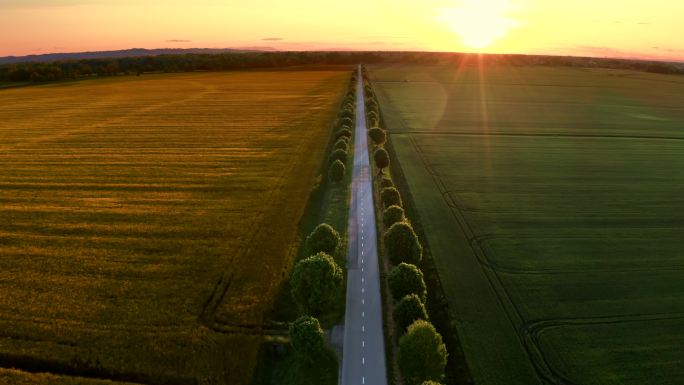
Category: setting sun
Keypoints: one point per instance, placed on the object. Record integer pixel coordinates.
(479, 23)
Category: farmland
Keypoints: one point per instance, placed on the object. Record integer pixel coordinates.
(141, 215)
(552, 201)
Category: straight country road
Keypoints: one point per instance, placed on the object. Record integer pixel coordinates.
(363, 360)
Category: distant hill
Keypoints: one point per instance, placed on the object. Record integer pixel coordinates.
(137, 52)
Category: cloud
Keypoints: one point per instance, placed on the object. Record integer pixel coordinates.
(671, 50)
(272, 39)
(19, 4)
(598, 51)
(666, 54)
(383, 37)
(178, 41)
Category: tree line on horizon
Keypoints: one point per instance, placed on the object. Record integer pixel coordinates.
(85, 68)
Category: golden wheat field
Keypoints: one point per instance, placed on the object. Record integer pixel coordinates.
(140, 215)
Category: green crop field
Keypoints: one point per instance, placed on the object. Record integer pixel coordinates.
(552, 200)
(147, 223)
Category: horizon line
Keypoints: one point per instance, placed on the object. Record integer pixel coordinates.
(268, 49)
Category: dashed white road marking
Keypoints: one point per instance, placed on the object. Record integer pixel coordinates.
(363, 328)
(362, 290)
(363, 360)
(363, 344)
(363, 301)
(363, 314)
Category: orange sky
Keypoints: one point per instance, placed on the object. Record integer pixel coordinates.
(626, 28)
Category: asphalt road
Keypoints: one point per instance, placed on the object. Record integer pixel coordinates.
(363, 360)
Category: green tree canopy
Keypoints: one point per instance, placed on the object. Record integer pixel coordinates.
(405, 279)
(343, 133)
(347, 113)
(409, 310)
(323, 238)
(392, 215)
(338, 154)
(341, 144)
(378, 136)
(306, 338)
(402, 244)
(347, 121)
(386, 182)
(390, 197)
(381, 158)
(315, 284)
(422, 354)
(336, 171)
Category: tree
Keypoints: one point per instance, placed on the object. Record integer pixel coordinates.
(422, 353)
(381, 158)
(373, 114)
(392, 215)
(343, 133)
(390, 197)
(373, 121)
(431, 383)
(338, 154)
(386, 182)
(336, 171)
(306, 338)
(315, 283)
(402, 244)
(409, 310)
(323, 238)
(347, 114)
(373, 108)
(347, 122)
(378, 136)
(405, 279)
(341, 144)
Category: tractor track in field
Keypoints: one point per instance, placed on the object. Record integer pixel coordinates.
(258, 229)
(531, 333)
(481, 241)
(528, 331)
(32, 364)
(218, 289)
(511, 309)
(503, 84)
(533, 135)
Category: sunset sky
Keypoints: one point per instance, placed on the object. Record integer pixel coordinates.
(626, 28)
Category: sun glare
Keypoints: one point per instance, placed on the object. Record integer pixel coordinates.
(479, 23)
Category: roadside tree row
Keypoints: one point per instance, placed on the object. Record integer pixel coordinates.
(422, 354)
